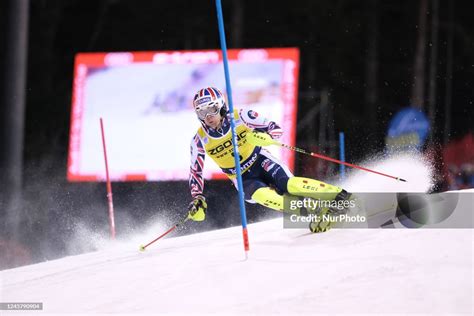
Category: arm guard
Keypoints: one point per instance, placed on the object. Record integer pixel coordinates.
(196, 181)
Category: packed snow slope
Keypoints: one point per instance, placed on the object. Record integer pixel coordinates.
(288, 271)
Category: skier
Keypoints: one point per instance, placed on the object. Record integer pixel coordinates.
(266, 180)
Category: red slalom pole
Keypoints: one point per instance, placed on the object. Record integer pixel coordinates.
(262, 139)
(109, 185)
(338, 161)
(143, 247)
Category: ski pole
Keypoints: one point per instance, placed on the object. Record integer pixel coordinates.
(262, 139)
(143, 247)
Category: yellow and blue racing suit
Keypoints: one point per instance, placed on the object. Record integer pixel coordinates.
(265, 179)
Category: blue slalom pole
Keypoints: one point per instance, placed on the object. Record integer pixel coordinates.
(243, 215)
(342, 156)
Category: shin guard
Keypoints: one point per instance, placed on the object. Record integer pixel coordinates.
(312, 188)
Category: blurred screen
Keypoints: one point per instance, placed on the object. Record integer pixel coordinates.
(145, 101)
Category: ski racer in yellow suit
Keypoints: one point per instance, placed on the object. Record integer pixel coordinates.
(265, 179)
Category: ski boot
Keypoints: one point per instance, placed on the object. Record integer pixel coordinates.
(341, 196)
(323, 224)
(327, 216)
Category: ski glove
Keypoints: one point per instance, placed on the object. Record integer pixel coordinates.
(274, 131)
(197, 209)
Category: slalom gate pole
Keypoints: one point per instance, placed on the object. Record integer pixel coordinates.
(243, 215)
(263, 139)
(342, 156)
(109, 185)
(143, 247)
(337, 161)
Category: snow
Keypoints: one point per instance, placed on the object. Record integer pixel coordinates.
(288, 271)
(413, 167)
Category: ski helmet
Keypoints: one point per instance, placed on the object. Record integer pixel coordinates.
(209, 101)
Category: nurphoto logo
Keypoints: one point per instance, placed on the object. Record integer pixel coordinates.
(314, 218)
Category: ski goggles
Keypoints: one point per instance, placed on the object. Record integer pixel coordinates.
(209, 109)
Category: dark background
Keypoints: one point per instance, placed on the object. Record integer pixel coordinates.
(335, 40)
